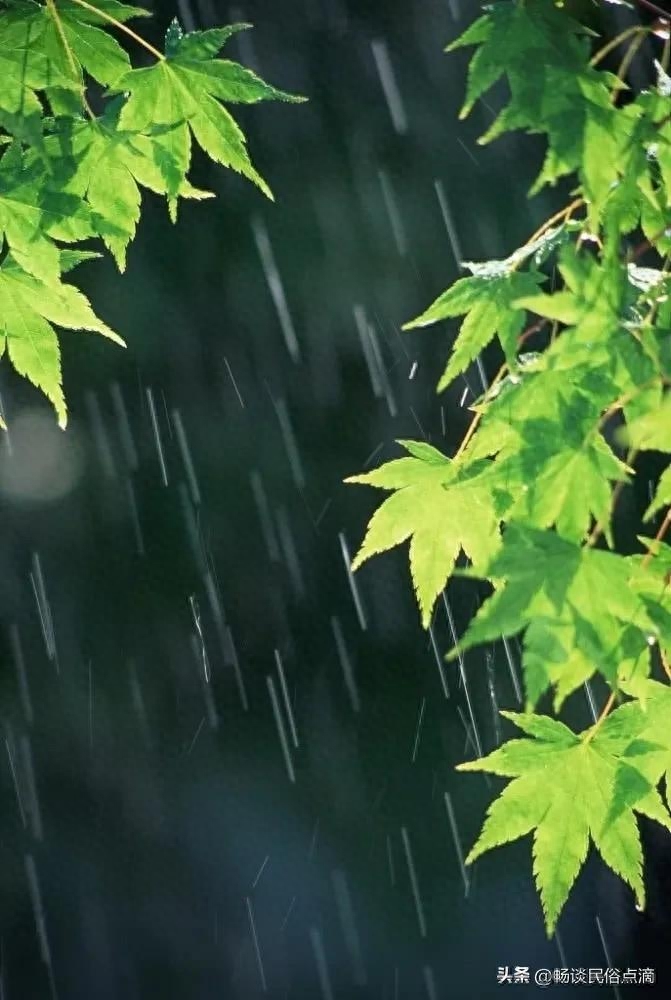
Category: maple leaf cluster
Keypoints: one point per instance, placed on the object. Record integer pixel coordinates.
(71, 176)
(528, 500)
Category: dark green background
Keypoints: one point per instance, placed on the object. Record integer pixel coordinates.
(159, 796)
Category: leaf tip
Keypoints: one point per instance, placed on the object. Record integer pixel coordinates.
(358, 560)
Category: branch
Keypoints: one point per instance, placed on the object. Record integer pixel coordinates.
(599, 722)
(663, 528)
(478, 416)
(563, 214)
(122, 27)
(614, 42)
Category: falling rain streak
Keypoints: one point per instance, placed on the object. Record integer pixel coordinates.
(353, 585)
(157, 435)
(275, 286)
(457, 842)
(285, 697)
(281, 731)
(389, 85)
(412, 874)
(346, 664)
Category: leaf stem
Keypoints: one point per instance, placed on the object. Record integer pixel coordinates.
(663, 528)
(564, 214)
(478, 416)
(530, 330)
(665, 664)
(636, 252)
(591, 733)
(626, 62)
(121, 26)
(626, 398)
(614, 42)
(599, 527)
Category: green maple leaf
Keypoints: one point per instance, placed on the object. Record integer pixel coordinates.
(543, 392)
(189, 85)
(565, 651)
(662, 495)
(487, 298)
(25, 69)
(28, 308)
(562, 469)
(650, 578)
(506, 34)
(543, 577)
(33, 214)
(199, 44)
(593, 296)
(110, 166)
(112, 8)
(441, 509)
(76, 47)
(570, 486)
(569, 791)
(559, 94)
(70, 259)
(604, 343)
(647, 717)
(651, 431)
(70, 39)
(17, 95)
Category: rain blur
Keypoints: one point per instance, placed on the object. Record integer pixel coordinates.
(228, 766)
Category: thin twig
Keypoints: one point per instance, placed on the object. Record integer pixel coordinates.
(648, 556)
(665, 664)
(666, 52)
(599, 527)
(614, 42)
(663, 528)
(530, 330)
(625, 398)
(565, 214)
(599, 722)
(122, 27)
(646, 245)
(478, 416)
(626, 62)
